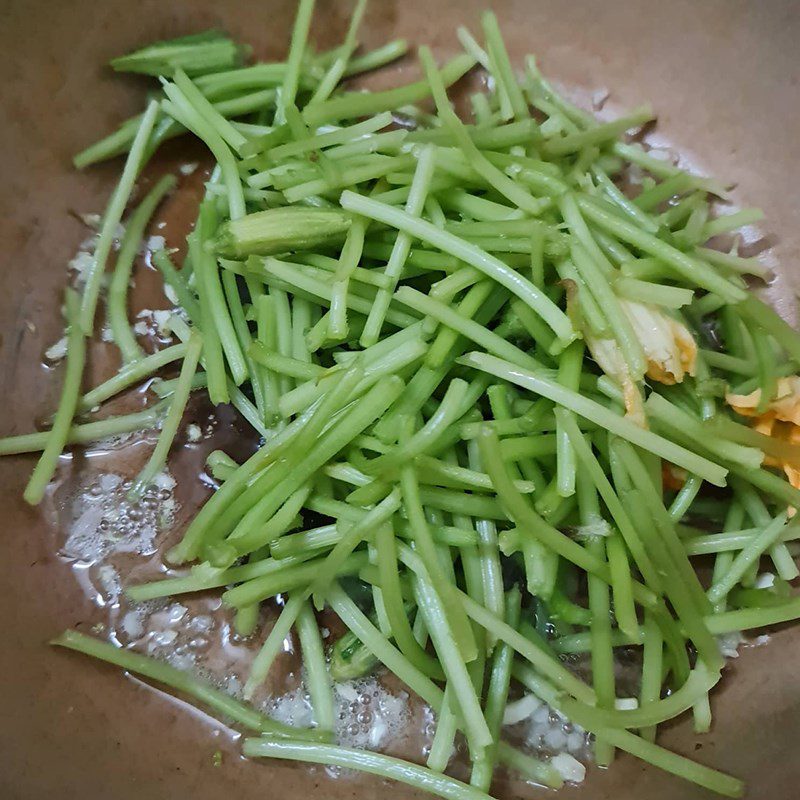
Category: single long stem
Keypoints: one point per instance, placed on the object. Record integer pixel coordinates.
(67, 405)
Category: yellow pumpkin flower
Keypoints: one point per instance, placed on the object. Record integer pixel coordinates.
(780, 420)
(669, 347)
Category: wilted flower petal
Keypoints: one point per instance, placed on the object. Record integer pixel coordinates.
(669, 347)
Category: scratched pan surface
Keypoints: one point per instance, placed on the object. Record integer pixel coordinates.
(725, 78)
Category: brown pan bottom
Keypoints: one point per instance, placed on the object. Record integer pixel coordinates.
(725, 79)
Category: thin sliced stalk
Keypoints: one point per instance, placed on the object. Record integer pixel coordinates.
(651, 753)
(379, 57)
(87, 432)
(689, 268)
(293, 367)
(348, 261)
(67, 405)
(766, 367)
(685, 497)
(246, 620)
(437, 472)
(237, 314)
(402, 244)
(447, 649)
(227, 132)
(113, 215)
(319, 681)
(621, 585)
(307, 541)
(131, 374)
(729, 363)
(387, 767)
(729, 222)
(297, 47)
(267, 335)
(582, 642)
(213, 300)
(618, 321)
(657, 294)
(731, 540)
(598, 134)
(240, 401)
(343, 135)
(569, 372)
(282, 328)
(602, 653)
(456, 619)
(527, 520)
(353, 536)
(442, 745)
(477, 299)
(163, 673)
(531, 768)
(593, 411)
(301, 323)
(495, 177)
(180, 109)
(117, 302)
(744, 266)
(382, 648)
(293, 472)
(652, 670)
(628, 206)
(393, 601)
(351, 105)
(747, 618)
(169, 428)
(746, 557)
(497, 696)
(204, 576)
(727, 428)
(504, 71)
(661, 409)
(489, 63)
(204, 265)
(699, 682)
(337, 69)
(273, 644)
(172, 278)
(489, 555)
(481, 260)
(447, 414)
(649, 199)
(468, 328)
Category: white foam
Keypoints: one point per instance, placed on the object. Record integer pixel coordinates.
(105, 521)
(366, 714)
